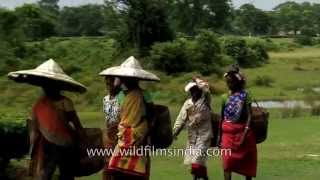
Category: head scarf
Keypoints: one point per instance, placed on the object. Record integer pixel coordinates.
(234, 70)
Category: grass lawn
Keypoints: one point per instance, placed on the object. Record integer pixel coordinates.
(289, 71)
(291, 152)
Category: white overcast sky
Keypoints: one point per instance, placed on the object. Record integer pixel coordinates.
(262, 4)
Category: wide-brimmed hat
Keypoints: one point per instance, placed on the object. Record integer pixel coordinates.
(130, 68)
(48, 73)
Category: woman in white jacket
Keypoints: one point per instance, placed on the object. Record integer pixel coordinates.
(195, 115)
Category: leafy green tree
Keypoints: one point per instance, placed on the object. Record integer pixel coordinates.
(316, 17)
(289, 16)
(51, 6)
(191, 15)
(146, 22)
(218, 13)
(87, 20)
(253, 21)
(35, 24)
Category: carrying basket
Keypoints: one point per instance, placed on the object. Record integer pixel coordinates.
(259, 122)
(86, 165)
(161, 130)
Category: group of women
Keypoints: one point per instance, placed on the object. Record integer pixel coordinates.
(55, 126)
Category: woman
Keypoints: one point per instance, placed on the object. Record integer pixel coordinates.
(133, 128)
(236, 132)
(196, 115)
(54, 125)
(111, 108)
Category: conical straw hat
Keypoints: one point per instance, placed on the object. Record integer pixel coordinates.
(47, 73)
(130, 68)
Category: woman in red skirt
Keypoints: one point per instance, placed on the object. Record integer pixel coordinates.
(236, 134)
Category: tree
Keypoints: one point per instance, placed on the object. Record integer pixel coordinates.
(9, 26)
(35, 24)
(146, 22)
(252, 21)
(289, 17)
(51, 6)
(316, 19)
(192, 15)
(85, 20)
(219, 12)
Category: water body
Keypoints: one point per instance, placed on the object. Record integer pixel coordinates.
(289, 103)
(285, 104)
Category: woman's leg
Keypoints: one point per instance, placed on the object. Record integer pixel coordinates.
(123, 176)
(50, 161)
(107, 176)
(67, 161)
(227, 175)
(199, 171)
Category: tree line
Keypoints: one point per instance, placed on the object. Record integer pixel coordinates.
(161, 28)
(158, 20)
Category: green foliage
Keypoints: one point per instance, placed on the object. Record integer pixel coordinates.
(14, 140)
(263, 81)
(171, 57)
(304, 40)
(206, 56)
(260, 50)
(246, 55)
(236, 48)
(86, 20)
(253, 21)
(202, 54)
(292, 112)
(35, 24)
(51, 6)
(190, 16)
(146, 23)
(315, 110)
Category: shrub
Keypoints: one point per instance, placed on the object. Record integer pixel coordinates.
(245, 54)
(298, 68)
(14, 141)
(260, 51)
(202, 54)
(236, 48)
(304, 40)
(72, 69)
(206, 54)
(292, 112)
(266, 43)
(315, 110)
(171, 57)
(263, 81)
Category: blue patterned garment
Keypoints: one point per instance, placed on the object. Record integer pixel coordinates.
(234, 106)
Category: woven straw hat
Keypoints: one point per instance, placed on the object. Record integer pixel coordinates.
(130, 68)
(48, 73)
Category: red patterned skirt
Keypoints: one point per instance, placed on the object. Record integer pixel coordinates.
(242, 159)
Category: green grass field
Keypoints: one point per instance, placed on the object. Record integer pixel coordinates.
(291, 152)
(290, 71)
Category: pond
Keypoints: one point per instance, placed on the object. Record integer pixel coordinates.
(286, 104)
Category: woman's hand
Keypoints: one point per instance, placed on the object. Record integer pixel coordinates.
(243, 137)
